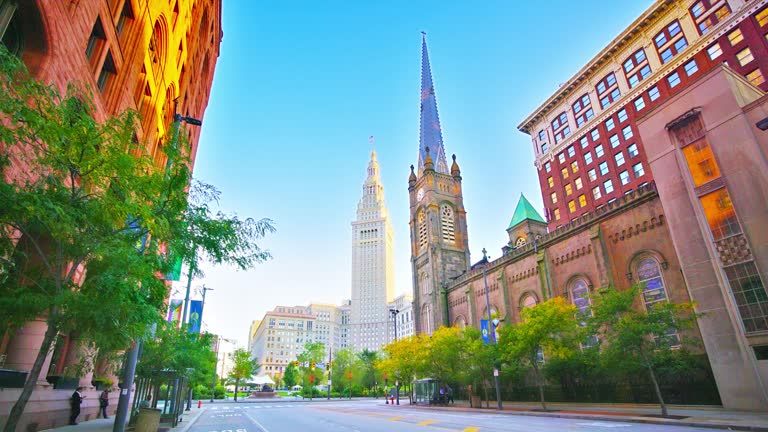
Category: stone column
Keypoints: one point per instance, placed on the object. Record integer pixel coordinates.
(24, 346)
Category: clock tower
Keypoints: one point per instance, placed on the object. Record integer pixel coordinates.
(439, 244)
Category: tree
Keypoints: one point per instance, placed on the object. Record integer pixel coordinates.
(632, 335)
(243, 367)
(404, 359)
(547, 330)
(367, 362)
(313, 353)
(477, 360)
(289, 377)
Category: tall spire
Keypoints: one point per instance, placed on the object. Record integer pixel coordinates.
(430, 134)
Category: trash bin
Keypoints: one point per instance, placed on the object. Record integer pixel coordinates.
(474, 401)
(148, 420)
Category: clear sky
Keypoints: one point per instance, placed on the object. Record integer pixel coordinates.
(301, 85)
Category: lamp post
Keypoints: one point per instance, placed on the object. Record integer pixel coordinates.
(121, 415)
(492, 331)
(394, 313)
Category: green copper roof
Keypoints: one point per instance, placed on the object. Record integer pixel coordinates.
(525, 211)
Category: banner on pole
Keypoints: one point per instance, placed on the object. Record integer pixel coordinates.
(174, 310)
(195, 315)
(486, 331)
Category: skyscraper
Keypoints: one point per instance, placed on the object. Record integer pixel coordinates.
(372, 265)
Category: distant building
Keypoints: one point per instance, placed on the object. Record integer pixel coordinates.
(252, 332)
(280, 337)
(372, 265)
(342, 336)
(403, 304)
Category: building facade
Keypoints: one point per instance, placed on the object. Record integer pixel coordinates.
(402, 317)
(675, 100)
(280, 337)
(157, 58)
(372, 265)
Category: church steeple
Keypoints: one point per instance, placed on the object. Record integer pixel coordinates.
(430, 133)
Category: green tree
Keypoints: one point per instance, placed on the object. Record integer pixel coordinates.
(635, 336)
(547, 330)
(314, 352)
(403, 359)
(290, 377)
(243, 367)
(367, 365)
(477, 360)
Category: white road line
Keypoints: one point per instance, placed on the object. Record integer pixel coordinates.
(256, 422)
(605, 425)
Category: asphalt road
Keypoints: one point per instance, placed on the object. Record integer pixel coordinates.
(374, 416)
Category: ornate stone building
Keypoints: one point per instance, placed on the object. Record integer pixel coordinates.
(156, 57)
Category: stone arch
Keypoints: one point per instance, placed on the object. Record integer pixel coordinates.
(447, 222)
(525, 299)
(639, 256)
(460, 322)
(158, 46)
(578, 290)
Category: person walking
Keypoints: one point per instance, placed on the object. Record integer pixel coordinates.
(450, 394)
(75, 401)
(104, 402)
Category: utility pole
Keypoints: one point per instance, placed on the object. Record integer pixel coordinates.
(491, 330)
(330, 359)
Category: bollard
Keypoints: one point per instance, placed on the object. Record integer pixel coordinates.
(199, 403)
(392, 398)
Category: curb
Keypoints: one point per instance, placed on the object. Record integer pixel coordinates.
(616, 418)
(185, 425)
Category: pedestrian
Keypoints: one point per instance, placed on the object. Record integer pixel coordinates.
(442, 395)
(104, 402)
(450, 394)
(147, 402)
(75, 401)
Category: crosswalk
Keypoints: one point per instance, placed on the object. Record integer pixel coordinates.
(265, 406)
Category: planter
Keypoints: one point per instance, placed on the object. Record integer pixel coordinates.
(62, 382)
(12, 378)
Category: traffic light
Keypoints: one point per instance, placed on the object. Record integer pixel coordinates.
(296, 363)
(328, 366)
(311, 365)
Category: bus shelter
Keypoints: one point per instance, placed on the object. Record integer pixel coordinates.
(427, 391)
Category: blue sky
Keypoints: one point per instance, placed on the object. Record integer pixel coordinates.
(301, 85)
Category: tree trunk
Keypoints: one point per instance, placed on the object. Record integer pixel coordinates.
(34, 374)
(237, 386)
(655, 385)
(540, 384)
(485, 393)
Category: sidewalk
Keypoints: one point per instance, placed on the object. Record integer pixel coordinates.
(105, 425)
(679, 415)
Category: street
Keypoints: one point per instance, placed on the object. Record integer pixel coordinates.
(375, 416)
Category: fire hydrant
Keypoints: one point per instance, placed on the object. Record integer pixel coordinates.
(199, 403)
(392, 398)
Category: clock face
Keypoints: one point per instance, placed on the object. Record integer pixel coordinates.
(420, 195)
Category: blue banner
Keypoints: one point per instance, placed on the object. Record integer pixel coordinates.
(195, 315)
(486, 332)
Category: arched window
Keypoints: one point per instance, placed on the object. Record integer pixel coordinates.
(580, 296)
(425, 283)
(528, 301)
(494, 312)
(10, 33)
(520, 242)
(460, 322)
(426, 319)
(649, 275)
(446, 223)
(169, 108)
(157, 49)
(422, 231)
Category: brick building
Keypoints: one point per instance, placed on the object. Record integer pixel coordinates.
(155, 57)
(652, 170)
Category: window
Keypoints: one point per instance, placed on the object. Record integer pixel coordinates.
(588, 158)
(639, 103)
(571, 151)
(603, 168)
(744, 56)
(578, 183)
(422, 231)
(572, 206)
(592, 175)
(582, 201)
(614, 141)
(756, 77)
(750, 295)
(619, 158)
(547, 167)
(447, 224)
(624, 176)
(622, 115)
(595, 134)
(556, 212)
(691, 68)
(542, 135)
(762, 17)
(632, 149)
(107, 72)
(596, 192)
(580, 296)
(553, 197)
(95, 41)
(584, 142)
(697, 9)
(673, 32)
(673, 79)
(544, 148)
(561, 158)
(735, 37)
(608, 185)
(638, 169)
(550, 182)
(575, 166)
(559, 121)
(568, 190)
(606, 91)
(609, 124)
(126, 17)
(636, 68)
(564, 173)
(599, 151)
(580, 104)
(720, 214)
(653, 93)
(627, 132)
(714, 51)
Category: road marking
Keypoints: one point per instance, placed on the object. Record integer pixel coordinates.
(256, 422)
(426, 423)
(471, 429)
(606, 425)
(395, 418)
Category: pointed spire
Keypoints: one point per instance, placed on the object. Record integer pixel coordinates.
(428, 164)
(455, 171)
(430, 133)
(412, 178)
(523, 211)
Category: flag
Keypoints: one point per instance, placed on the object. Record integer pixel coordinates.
(195, 315)
(486, 332)
(175, 273)
(174, 310)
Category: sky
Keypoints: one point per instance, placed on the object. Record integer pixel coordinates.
(299, 87)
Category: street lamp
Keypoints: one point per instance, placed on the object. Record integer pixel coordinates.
(492, 331)
(394, 313)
